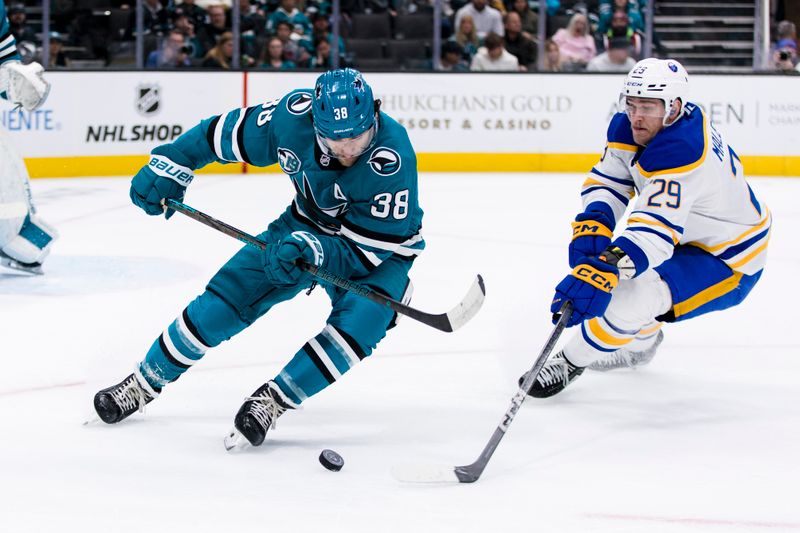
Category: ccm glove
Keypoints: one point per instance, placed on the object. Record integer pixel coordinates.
(591, 234)
(588, 287)
(281, 259)
(160, 179)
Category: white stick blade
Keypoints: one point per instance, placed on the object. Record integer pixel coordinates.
(469, 306)
(418, 473)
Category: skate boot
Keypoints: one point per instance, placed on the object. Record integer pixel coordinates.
(257, 415)
(28, 268)
(554, 376)
(120, 401)
(626, 358)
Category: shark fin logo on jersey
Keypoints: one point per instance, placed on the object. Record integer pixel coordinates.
(336, 206)
(384, 161)
(148, 99)
(298, 103)
(288, 161)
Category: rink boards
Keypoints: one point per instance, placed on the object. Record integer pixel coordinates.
(103, 124)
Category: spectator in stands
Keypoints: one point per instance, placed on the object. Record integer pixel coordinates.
(156, 18)
(517, 44)
(321, 60)
(492, 57)
(18, 24)
(616, 58)
(467, 38)
(217, 25)
(221, 55)
(620, 27)
(196, 14)
(784, 48)
(451, 58)
(273, 56)
(184, 24)
(321, 30)
(288, 11)
(785, 56)
(575, 43)
(292, 51)
(630, 7)
(172, 54)
(552, 57)
(253, 27)
(528, 18)
(57, 57)
(487, 19)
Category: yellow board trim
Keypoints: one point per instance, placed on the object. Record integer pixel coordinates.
(703, 297)
(598, 331)
(127, 165)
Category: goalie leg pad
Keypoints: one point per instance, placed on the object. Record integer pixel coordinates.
(33, 242)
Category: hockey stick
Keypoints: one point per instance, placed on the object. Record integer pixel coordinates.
(470, 473)
(450, 321)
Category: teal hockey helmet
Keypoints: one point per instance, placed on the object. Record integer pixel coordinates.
(343, 106)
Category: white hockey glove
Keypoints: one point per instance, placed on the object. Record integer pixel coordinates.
(24, 84)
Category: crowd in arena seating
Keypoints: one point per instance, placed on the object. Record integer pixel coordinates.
(477, 35)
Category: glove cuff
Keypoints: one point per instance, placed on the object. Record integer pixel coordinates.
(313, 243)
(595, 275)
(593, 228)
(167, 168)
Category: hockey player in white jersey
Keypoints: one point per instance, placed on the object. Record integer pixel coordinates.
(25, 239)
(695, 240)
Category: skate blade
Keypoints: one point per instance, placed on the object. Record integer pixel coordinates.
(235, 441)
(33, 270)
(93, 420)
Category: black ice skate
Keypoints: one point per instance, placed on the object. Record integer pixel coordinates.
(28, 268)
(120, 401)
(257, 415)
(555, 375)
(628, 359)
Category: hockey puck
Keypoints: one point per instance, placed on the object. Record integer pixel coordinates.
(331, 460)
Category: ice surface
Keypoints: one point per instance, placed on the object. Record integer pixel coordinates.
(704, 439)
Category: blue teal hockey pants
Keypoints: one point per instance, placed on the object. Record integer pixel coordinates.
(239, 294)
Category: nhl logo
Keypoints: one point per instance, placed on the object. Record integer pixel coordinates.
(384, 161)
(148, 99)
(324, 160)
(298, 103)
(288, 161)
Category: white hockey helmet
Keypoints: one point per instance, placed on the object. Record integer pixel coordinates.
(664, 79)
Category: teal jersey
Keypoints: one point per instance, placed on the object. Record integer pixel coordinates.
(373, 205)
(8, 45)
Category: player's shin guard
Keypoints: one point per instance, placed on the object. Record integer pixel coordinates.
(173, 352)
(319, 363)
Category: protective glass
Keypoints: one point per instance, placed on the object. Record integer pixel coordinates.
(350, 147)
(642, 107)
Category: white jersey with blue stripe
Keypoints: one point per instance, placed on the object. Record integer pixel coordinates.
(689, 188)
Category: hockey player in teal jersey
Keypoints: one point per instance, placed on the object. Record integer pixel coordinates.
(355, 213)
(25, 239)
(695, 240)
